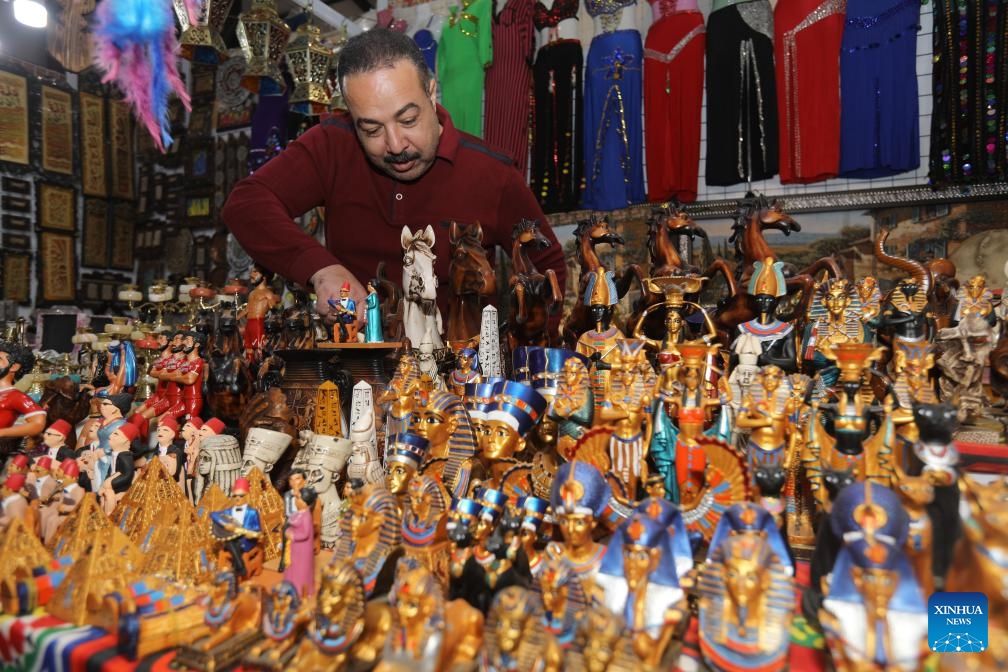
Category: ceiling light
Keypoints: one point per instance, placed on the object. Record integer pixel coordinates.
(31, 13)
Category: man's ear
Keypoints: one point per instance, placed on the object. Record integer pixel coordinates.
(432, 91)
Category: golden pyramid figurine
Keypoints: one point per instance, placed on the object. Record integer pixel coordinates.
(179, 548)
(213, 499)
(264, 498)
(97, 572)
(153, 492)
(88, 523)
(20, 553)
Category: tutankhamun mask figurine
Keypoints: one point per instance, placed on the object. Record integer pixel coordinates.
(627, 407)
(424, 525)
(514, 639)
(370, 536)
(441, 418)
(834, 318)
(417, 634)
(746, 593)
(874, 614)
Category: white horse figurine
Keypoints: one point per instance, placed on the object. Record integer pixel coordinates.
(420, 311)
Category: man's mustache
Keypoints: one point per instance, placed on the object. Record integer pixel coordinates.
(401, 157)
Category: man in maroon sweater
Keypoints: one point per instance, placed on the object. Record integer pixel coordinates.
(394, 160)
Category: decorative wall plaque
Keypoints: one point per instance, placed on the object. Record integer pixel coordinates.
(95, 248)
(57, 268)
(16, 277)
(57, 130)
(94, 180)
(13, 118)
(57, 208)
(121, 131)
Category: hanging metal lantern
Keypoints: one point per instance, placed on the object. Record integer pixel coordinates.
(308, 60)
(338, 39)
(201, 39)
(262, 35)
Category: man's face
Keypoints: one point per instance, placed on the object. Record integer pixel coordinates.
(255, 277)
(52, 439)
(296, 482)
(165, 435)
(5, 365)
(395, 118)
(188, 344)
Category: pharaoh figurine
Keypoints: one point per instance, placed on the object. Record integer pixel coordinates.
(417, 635)
(534, 531)
(627, 406)
(638, 579)
(461, 527)
(740, 383)
(263, 449)
(324, 458)
(55, 438)
(579, 499)
(776, 338)
(478, 399)
(975, 298)
(573, 406)
(659, 509)
(405, 453)
(399, 396)
(515, 640)
(599, 344)
(870, 297)
(441, 418)
(772, 437)
(424, 525)
(338, 622)
(874, 614)
(559, 615)
(120, 478)
(905, 311)
(466, 371)
(370, 537)
(516, 408)
(238, 530)
(746, 593)
(684, 467)
(365, 462)
(219, 462)
(834, 318)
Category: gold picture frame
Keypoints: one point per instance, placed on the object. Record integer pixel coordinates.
(16, 276)
(94, 177)
(57, 268)
(121, 147)
(14, 145)
(57, 208)
(95, 247)
(123, 238)
(57, 131)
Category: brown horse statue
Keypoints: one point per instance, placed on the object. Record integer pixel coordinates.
(471, 281)
(755, 216)
(229, 382)
(534, 295)
(391, 294)
(589, 234)
(63, 399)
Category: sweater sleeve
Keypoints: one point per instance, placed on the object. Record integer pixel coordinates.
(261, 207)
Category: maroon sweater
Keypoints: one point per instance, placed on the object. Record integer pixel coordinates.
(365, 209)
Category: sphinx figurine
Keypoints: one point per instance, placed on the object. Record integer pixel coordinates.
(370, 536)
(417, 634)
(284, 620)
(603, 645)
(344, 629)
(874, 614)
(441, 418)
(232, 614)
(746, 593)
(514, 640)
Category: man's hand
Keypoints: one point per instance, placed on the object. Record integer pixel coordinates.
(328, 281)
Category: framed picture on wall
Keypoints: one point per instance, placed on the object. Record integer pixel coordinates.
(20, 204)
(14, 145)
(200, 163)
(57, 131)
(57, 268)
(16, 273)
(95, 247)
(57, 208)
(121, 148)
(15, 185)
(122, 238)
(12, 221)
(16, 241)
(94, 180)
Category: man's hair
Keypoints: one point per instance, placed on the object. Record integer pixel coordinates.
(18, 354)
(380, 48)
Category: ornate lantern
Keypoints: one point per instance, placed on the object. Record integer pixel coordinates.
(338, 39)
(262, 35)
(201, 39)
(308, 60)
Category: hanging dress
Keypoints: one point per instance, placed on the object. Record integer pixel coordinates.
(509, 82)
(879, 125)
(463, 55)
(557, 163)
(428, 47)
(807, 36)
(673, 94)
(614, 168)
(969, 121)
(741, 93)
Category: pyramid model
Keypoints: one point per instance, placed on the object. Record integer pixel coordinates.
(213, 499)
(264, 498)
(87, 526)
(154, 500)
(97, 572)
(20, 552)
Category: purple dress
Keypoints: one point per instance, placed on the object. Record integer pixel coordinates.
(301, 545)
